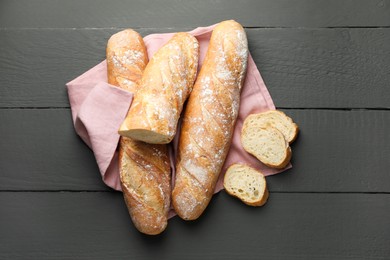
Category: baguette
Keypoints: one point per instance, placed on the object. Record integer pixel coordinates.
(209, 120)
(166, 83)
(247, 184)
(144, 168)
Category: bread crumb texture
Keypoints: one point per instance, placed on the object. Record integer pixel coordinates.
(277, 119)
(268, 145)
(247, 184)
(268, 135)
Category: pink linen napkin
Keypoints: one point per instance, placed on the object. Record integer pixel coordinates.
(99, 108)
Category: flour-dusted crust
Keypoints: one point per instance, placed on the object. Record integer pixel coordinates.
(146, 184)
(247, 184)
(209, 120)
(144, 168)
(165, 85)
(126, 59)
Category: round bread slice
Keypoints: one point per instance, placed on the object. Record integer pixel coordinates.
(247, 184)
(277, 119)
(267, 144)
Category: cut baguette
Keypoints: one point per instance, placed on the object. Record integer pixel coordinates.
(277, 119)
(247, 184)
(267, 144)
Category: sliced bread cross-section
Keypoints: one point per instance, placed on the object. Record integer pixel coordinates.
(247, 184)
(267, 144)
(274, 118)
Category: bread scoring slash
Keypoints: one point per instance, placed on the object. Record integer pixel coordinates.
(165, 85)
(209, 120)
(126, 58)
(144, 169)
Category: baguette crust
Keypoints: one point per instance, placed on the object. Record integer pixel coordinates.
(145, 180)
(209, 120)
(126, 59)
(144, 168)
(166, 83)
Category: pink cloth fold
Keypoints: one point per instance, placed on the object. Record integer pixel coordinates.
(99, 108)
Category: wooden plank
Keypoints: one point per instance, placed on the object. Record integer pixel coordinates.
(38, 63)
(41, 151)
(337, 151)
(295, 226)
(309, 68)
(324, 68)
(170, 13)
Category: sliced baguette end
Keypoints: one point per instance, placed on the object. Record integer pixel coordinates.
(267, 144)
(247, 184)
(277, 119)
(144, 135)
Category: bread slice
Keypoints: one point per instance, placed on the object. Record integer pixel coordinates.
(277, 119)
(247, 184)
(267, 144)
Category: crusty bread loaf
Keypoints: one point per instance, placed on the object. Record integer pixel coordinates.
(166, 83)
(275, 118)
(247, 184)
(144, 168)
(146, 184)
(209, 120)
(126, 59)
(267, 144)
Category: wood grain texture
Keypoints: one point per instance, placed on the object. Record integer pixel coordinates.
(95, 225)
(324, 68)
(41, 151)
(170, 13)
(333, 203)
(336, 151)
(310, 68)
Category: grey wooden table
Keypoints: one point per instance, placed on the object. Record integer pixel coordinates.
(326, 64)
